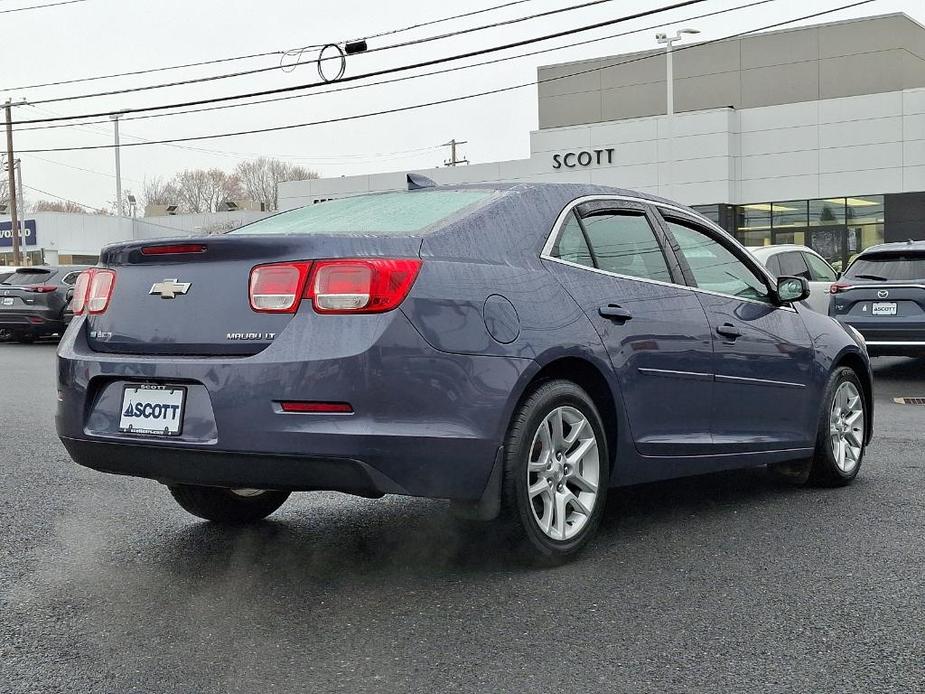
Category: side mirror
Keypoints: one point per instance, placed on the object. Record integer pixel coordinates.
(791, 289)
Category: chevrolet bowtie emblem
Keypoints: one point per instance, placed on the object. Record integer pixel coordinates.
(170, 289)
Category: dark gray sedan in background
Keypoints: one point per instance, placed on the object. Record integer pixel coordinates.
(516, 348)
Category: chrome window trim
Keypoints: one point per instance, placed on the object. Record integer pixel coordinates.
(723, 378)
(551, 242)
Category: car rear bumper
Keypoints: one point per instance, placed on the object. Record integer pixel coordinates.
(890, 339)
(425, 423)
(224, 469)
(35, 321)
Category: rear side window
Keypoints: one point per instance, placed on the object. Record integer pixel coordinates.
(893, 267)
(625, 244)
(380, 214)
(793, 265)
(820, 270)
(28, 277)
(571, 245)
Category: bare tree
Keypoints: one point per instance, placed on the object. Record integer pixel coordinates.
(157, 191)
(57, 206)
(260, 178)
(204, 190)
(4, 188)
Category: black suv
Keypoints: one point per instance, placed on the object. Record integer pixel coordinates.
(34, 301)
(882, 296)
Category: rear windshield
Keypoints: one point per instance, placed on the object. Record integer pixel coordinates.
(891, 267)
(27, 277)
(384, 213)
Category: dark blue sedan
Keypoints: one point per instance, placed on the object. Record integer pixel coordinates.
(516, 348)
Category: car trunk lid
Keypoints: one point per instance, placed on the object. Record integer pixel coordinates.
(196, 301)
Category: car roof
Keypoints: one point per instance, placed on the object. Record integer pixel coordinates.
(916, 246)
(775, 249)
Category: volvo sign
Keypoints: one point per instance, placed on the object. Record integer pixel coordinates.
(26, 236)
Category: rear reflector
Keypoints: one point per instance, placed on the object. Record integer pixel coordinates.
(174, 249)
(92, 291)
(361, 285)
(277, 288)
(303, 407)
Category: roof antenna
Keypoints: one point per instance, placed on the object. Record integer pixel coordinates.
(417, 181)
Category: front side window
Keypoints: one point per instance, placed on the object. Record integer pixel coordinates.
(715, 268)
(819, 269)
(625, 244)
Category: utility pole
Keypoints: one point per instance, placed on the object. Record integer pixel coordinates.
(115, 122)
(453, 161)
(14, 228)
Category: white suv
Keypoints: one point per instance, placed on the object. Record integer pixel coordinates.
(789, 260)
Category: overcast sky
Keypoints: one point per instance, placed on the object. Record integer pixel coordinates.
(104, 36)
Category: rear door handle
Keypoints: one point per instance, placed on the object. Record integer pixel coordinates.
(615, 312)
(729, 330)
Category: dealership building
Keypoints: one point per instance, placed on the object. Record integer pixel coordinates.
(813, 135)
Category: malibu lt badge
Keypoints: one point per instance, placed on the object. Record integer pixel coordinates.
(250, 337)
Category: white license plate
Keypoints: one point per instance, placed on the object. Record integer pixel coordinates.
(152, 409)
(883, 309)
(8, 301)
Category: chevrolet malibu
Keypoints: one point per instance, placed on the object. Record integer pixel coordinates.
(515, 348)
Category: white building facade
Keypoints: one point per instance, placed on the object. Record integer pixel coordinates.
(839, 171)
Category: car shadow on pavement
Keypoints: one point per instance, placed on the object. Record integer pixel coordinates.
(412, 536)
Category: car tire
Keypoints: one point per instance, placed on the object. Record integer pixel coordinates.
(841, 439)
(556, 472)
(25, 339)
(231, 506)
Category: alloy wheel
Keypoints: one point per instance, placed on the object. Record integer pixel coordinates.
(563, 473)
(846, 427)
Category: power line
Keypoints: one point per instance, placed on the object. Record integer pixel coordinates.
(41, 7)
(439, 102)
(403, 44)
(350, 87)
(265, 54)
(377, 73)
(58, 197)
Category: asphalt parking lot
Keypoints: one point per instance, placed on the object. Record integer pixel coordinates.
(722, 583)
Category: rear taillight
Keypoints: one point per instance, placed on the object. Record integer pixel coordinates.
(277, 288)
(92, 291)
(101, 286)
(40, 288)
(355, 285)
(368, 285)
(838, 287)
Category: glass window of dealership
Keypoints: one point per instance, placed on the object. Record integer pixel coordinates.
(836, 228)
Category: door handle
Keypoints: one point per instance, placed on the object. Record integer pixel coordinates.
(615, 312)
(729, 330)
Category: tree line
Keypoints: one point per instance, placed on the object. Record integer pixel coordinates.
(200, 190)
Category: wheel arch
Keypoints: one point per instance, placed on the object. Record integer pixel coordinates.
(861, 367)
(588, 375)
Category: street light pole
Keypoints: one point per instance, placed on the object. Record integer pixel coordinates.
(669, 42)
(115, 122)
